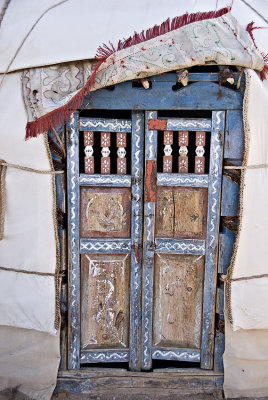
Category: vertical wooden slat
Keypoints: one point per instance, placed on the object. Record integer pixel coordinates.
(183, 151)
(215, 175)
(89, 159)
(136, 238)
(121, 143)
(167, 158)
(105, 159)
(148, 253)
(200, 141)
(73, 222)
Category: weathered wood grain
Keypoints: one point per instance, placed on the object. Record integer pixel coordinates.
(178, 300)
(215, 176)
(167, 382)
(230, 197)
(234, 143)
(105, 301)
(105, 212)
(181, 212)
(226, 245)
(199, 96)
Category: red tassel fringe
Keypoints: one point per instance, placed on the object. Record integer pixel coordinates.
(105, 51)
(250, 28)
(62, 114)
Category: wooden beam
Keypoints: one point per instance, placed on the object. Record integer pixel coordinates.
(121, 382)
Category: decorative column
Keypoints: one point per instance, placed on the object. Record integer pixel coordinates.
(200, 141)
(105, 152)
(183, 151)
(167, 158)
(89, 159)
(121, 144)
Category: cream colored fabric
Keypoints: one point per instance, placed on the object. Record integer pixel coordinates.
(29, 243)
(245, 362)
(220, 40)
(249, 298)
(80, 26)
(29, 362)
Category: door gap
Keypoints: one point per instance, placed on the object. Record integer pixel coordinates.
(169, 364)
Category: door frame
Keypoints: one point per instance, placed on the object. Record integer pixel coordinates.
(231, 100)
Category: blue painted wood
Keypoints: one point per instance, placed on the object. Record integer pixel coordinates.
(163, 353)
(137, 152)
(148, 254)
(107, 246)
(218, 352)
(180, 246)
(193, 77)
(191, 180)
(199, 96)
(215, 176)
(73, 239)
(97, 356)
(105, 180)
(148, 274)
(230, 197)
(188, 124)
(151, 137)
(234, 135)
(104, 125)
(226, 245)
(220, 301)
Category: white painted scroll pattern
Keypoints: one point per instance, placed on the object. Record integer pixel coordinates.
(177, 354)
(111, 125)
(105, 246)
(108, 180)
(73, 290)
(161, 179)
(171, 124)
(115, 356)
(181, 247)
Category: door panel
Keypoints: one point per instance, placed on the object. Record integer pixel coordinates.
(181, 223)
(178, 295)
(105, 236)
(105, 296)
(181, 212)
(105, 212)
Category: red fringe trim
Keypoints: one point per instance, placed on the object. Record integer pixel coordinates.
(62, 114)
(105, 51)
(250, 28)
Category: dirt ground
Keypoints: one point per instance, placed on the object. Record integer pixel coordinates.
(217, 395)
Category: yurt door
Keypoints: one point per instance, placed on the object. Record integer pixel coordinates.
(143, 238)
(181, 222)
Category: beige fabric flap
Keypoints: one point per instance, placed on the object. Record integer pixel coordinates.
(29, 362)
(245, 362)
(29, 242)
(248, 297)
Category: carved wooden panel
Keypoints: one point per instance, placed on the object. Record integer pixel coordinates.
(181, 212)
(178, 297)
(105, 212)
(105, 300)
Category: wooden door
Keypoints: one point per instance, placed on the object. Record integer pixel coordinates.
(105, 194)
(141, 294)
(181, 223)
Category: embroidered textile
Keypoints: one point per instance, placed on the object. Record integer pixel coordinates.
(220, 40)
